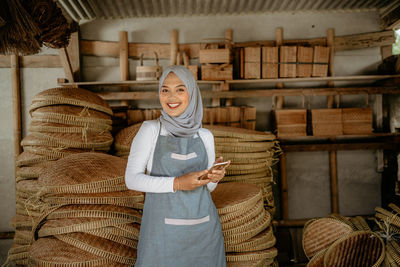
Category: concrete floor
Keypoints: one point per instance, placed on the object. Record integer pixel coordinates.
(5, 245)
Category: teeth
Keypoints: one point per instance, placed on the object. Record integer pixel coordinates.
(173, 105)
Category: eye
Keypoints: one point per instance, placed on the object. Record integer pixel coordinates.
(164, 90)
(181, 89)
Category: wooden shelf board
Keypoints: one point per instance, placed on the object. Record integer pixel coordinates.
(117, 83)
(317, 79)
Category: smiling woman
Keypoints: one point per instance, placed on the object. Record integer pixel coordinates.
(174, 97)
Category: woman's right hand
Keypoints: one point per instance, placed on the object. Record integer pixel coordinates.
(190, 181)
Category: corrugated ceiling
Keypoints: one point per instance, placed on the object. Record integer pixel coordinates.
(111, 9)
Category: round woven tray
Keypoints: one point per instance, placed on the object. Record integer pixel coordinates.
(250, 156)
(321, 233)
(131, 233)
(32, 172)
(96, 211)
(242, 236)
(360, 223)
(360, 248)
(100, 141)
(263, 240)
(30, 187)
(259, 263)
(232, 222)
(67, 114)
(246, 171)
(250, 176)
(252, 256)
(317, 260)
(70, 225)
(251, 166)
(84, 173)
(29, 159)
(129, 198)
(132, 243)
(101, 247)
(240, 133)
(23, 237)
(48, 127)
(248, 225)
(231, 197)
(58, 152)
(133, 229)
(49, 251)
(70, 96)
(124, 138)
(22, 222)
(387, 216)
(393, 249)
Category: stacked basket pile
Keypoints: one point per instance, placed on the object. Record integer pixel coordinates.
(246, 225)
(65, 121)
(87, 216)
(389, 224)
(252, 154)
(340, 241)
(123, 140)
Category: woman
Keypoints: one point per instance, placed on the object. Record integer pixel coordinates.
(180, 225)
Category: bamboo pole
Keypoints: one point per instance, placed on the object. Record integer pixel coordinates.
(330, 42)
(334, 181)
(284, 187)
(124, 62)
(16, 94)
(279, 42)
(174, 46)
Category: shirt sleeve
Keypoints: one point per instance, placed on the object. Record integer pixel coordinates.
(208, 140)
(139, 156)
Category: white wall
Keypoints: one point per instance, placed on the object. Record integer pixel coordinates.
(308, 181)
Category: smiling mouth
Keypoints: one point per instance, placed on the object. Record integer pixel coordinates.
(173, 105)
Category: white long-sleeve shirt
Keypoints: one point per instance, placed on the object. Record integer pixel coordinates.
(141, 159)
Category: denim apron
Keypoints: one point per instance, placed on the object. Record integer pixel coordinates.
(180, 229)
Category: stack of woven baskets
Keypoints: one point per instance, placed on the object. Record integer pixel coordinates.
(388, 222)
(252, 154)
(341, 241)
(246, 225)
(86, 215)
(65, 121)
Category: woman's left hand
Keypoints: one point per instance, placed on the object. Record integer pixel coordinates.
(217, 175)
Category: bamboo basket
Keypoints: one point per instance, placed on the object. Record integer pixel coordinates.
(148, 73)
(291, 122)
(270, 62)
(357, 120)
(304, 61)
(252, 62)
(321, 61)
(327, 122)
(287, 61)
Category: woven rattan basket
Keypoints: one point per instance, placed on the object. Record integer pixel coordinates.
(263, 240)
(229, 222)
(252, 256)
(259, 263)
(96, 211)
(50, 251)
(101, 247)
(321, 233)
(29, 159)
(317, 260)
(241, 236)
(70, 96)
(48, 127)
(231, 197)
(360, 248)
(249, 135)
(124, 138)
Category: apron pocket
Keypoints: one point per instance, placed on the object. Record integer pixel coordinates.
(187, 221)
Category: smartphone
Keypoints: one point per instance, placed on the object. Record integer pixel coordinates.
(216, 166)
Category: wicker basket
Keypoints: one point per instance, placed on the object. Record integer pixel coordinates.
(291, 122)
(357, 120)
(327, 122)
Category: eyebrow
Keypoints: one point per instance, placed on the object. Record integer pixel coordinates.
(179, 85)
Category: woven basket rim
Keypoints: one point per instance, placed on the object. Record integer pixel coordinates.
(254, 255)
(350, 235)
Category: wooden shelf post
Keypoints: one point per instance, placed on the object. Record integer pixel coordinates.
(279, 42)
(284, 187)
(124, 62)
(174, 46)
(228, 44)
(16, 95)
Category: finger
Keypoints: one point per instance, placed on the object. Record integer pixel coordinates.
(220, 172)
(220, 159)
(204, 181)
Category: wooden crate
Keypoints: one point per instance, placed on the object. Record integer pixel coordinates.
(248, 117)
(320, 61)
(287, 60)
(252, 62)
(270, 62)
(216, 72)
(215, 56)
(233, 116)
(194, 70)
(304, 61)
(357, 120)
(291, 122)
(327, 122)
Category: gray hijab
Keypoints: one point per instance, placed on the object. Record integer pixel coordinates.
(189, 122)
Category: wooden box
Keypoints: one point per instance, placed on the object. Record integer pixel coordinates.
(320, 61)
(287, 60)
(327, 122)
(252, 62)
(216, 72)
(304, 61)
(194, 70)
(248, 117)
(269, 62)
(291, 122)
(215, 56)
(357, 120)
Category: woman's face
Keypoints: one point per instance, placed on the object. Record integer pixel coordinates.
(174, 96)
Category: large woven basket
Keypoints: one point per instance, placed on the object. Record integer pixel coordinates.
(101, 247)
(124, 138)
(28, 159)
(50, 251)
(229, 222)
(252, 256)
(49, 127)
(360, 248)
(263, 240)
(70, 96)
(231, 197)
(317, 260)
(239, 133)
(321, 233)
